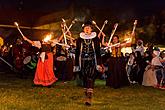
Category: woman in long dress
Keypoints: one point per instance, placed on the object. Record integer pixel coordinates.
(153, 76)
(44, 74)
(116, 74)
(149, 77)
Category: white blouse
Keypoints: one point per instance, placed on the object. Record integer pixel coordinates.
(37, 44)
(156, 61)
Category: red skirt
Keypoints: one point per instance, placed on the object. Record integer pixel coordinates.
(44, 74)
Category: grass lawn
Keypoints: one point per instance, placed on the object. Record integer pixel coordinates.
(19, 94)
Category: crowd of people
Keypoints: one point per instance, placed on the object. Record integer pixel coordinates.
(82, 57)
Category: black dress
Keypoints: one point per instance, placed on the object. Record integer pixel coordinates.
(116, 74)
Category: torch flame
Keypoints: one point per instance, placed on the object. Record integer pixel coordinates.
(135, 22)
(106, 21)
(116, 24)
(94, 22)
(16, 23)
(47, 38)
(63, 20)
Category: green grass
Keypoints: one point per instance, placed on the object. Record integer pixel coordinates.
(19, 94)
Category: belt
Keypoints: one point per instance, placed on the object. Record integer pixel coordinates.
(87, 58)
(158, 67)
(116, 55)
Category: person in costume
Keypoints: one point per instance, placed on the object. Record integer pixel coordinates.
(64, 62)
(116, 73)
(140, 47)
(18, 57)
(1, 42)
(157, 66)
(87, 59)
(44, 74)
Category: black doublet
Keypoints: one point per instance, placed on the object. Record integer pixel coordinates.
(87, 57)
(87, 49)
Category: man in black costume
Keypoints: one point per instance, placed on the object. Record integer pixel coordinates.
(87, 59)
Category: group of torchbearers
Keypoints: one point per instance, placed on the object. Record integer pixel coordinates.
(88, 59)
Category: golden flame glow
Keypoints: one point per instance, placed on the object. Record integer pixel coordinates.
(47, 38)
(127, 39)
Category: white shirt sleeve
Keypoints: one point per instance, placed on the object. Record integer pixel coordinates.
(140, 49)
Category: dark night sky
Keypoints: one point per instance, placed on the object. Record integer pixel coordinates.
(28, 12)
(136, 7)
(31, 10)
(141, 6)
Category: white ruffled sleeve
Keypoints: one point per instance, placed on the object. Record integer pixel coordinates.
(37, 44)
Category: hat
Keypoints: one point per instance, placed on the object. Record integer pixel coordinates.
(156, 48)
(87, 23)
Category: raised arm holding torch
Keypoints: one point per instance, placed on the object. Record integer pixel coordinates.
(67, 29)
(134, 27)
(64, 32)
(105, 22)
(113, 32)
(133, 30)
(101, 30)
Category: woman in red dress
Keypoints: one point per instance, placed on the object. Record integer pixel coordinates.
(44, 74)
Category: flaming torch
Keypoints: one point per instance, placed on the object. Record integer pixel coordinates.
(16, 24)
(67, 29)
(94, 23)
(113, 32)
(101, 30)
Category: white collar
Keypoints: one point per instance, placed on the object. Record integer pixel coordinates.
(86, 36)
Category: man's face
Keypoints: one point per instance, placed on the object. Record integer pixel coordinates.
(87, 29)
